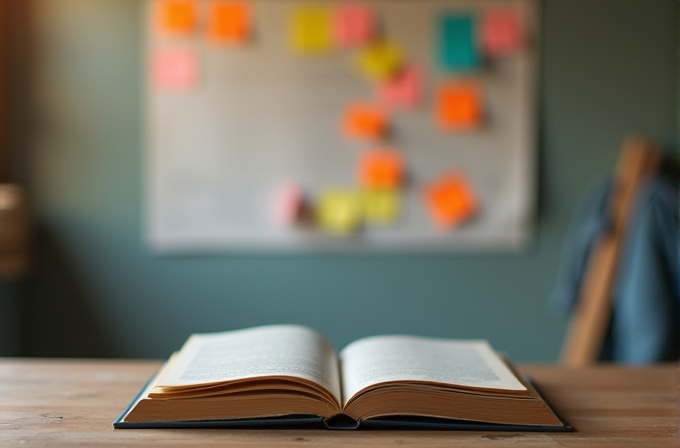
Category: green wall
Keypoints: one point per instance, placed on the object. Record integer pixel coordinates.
(608, 68)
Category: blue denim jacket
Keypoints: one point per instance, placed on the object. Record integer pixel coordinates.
(645, 323)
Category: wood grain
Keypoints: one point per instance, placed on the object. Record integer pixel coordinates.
(66, 403)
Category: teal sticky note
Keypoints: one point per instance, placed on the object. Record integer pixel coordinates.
(457, 43)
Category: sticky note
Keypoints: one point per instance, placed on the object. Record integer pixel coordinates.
(353, 25)
(364, 121)
(381, 206)
(459, 106)
(175, 69)
(405, 90)
(311, 29)
(339, 211)
(380, 60)
(177, 17)
(381, 168)
(502, 32)
(289, 205)
(229, 22)
(450, 200)
(457, 42)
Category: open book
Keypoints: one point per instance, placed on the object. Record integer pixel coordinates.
(291, 374)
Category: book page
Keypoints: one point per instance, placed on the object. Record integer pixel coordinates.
(277, 350)
(380, 359)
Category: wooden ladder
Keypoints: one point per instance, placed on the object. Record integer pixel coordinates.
(590, 322)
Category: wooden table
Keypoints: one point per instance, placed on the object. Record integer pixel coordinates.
(73, 402)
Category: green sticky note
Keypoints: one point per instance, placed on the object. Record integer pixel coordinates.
(457, 42)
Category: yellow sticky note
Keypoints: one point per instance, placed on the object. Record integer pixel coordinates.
(380, 60)
(311, 29)
(339, 211)
(381, 206)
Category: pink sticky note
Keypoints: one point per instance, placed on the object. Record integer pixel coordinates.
(175, 69)
(404, 90)
(502, 32)
(288, 205)
(353, 25)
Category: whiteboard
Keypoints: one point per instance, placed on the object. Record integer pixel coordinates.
(261, 116)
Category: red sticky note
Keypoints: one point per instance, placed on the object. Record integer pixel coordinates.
(404, 90)
(175, 69)
(353, 24)
(229, 21)
(364, 121)
(381, 168)
(502, 32)
(459, 106)
(177, 17)
(451, 200)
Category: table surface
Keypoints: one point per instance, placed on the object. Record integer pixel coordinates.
(73, 402)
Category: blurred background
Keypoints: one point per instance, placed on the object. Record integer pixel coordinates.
(73, 74)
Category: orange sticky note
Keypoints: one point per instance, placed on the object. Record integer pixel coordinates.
(311, 29)
(381, 168)
(229, 21)
(459, 107)
(364, 121)
(353, 24)
(175, 69)
(380, 60)
(451, 200)
(177, 17)
(502, 32)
